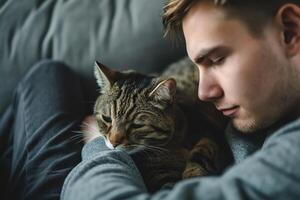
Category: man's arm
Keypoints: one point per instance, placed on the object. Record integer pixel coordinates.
(271, 173)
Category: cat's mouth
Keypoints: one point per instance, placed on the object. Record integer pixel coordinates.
(112, 145)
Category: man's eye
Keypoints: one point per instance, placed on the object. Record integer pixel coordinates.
(107, 119)
(217, 61)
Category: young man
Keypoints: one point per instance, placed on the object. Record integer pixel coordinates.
(248, 58)
(248, 54)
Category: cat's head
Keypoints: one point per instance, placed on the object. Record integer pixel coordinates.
(134, 109)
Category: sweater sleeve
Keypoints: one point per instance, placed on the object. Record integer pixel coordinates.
(270, 173)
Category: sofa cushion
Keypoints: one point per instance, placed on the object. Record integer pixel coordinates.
(121, 34)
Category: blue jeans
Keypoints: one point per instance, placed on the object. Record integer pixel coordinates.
(38, 143)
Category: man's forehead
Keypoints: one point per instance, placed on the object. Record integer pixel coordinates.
(207, 28)
(199, 21)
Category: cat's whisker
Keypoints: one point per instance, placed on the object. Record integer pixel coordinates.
(77, 133)
(85, 125)
(91, 131)
(144, 151)
(81, 133)
(80, 137)
(77, 137)
(88, 126)
(160, 149)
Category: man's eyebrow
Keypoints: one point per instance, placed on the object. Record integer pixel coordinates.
(205, 53)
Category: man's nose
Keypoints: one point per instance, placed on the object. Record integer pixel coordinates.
(208, 88)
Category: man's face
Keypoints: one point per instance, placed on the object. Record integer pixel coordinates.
(248, 78)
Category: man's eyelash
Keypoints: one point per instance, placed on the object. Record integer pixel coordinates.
(217, 60)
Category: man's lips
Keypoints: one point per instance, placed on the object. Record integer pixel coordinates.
(228, 111)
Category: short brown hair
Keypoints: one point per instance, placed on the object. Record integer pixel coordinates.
(255, 14)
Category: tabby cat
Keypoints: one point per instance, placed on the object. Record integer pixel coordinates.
(180, 136)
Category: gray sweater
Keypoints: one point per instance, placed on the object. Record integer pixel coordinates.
(272, 172)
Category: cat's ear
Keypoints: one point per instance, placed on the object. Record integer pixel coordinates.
(105, 76)
(164, 91)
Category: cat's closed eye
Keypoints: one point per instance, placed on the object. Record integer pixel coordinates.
(136, 126)
(106, 119)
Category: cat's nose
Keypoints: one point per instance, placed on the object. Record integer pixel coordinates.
(116, 139)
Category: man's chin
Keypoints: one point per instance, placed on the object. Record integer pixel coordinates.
(247, 126)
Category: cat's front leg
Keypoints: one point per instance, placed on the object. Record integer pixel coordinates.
(203, 159)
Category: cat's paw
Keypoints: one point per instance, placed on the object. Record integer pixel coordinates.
(193, 169)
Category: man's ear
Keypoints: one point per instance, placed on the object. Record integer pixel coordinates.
(288, 17)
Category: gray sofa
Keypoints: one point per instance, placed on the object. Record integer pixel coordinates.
(122, 34)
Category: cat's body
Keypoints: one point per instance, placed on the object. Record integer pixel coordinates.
(178, 131)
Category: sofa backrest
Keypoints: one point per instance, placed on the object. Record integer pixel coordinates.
(121, 34)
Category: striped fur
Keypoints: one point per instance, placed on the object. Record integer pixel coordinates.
(135, 110)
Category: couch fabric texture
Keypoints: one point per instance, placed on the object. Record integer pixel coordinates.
(122, 34)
